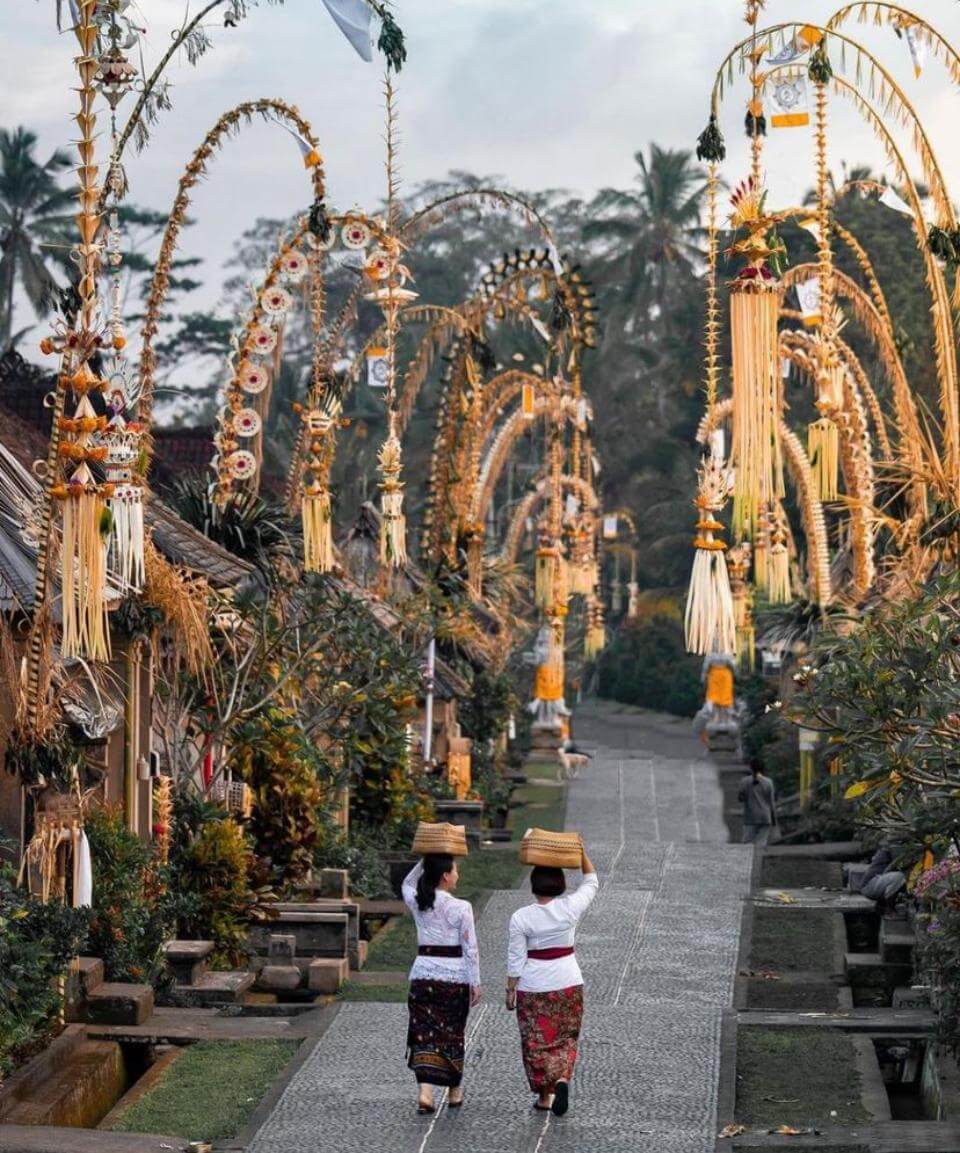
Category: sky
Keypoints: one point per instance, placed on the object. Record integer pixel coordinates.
(541, 93)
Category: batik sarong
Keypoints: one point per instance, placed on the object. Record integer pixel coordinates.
(438, 1018)
(550, 1035)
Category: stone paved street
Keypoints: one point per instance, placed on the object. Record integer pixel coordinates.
(658, 949)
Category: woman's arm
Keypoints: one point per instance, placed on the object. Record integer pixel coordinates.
(409, 886)
(579, 901)
(471, 952)
(516, 959)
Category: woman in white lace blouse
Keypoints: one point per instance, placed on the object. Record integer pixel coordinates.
(444, 979)
(544, 982)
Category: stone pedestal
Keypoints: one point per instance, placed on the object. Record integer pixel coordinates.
(466, 813)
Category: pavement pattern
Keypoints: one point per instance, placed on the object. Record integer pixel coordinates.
(658, 949)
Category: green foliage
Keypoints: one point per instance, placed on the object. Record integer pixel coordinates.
(286, 772)
(131, 918)
(484, 718)
(52, 763)
(37, 942)
(888, 694)
(647, 665)
(213, 872)
(36, 221)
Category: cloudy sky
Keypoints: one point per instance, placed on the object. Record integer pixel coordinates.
(543, 93)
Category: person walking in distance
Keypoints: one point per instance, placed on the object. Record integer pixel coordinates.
(544, 982)
(759, 800)
(444, 980)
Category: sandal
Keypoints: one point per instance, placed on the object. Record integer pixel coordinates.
(423, 1110)
(561, 1099)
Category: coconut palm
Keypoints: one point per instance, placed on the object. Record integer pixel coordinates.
(651, 233)
(34, 211)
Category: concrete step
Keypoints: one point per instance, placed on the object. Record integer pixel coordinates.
(896, 941)
(870, 971)
(84, 975)
(327, 975)
(79, 1092)
(119, 1003)
(187, 960)
(213, 988)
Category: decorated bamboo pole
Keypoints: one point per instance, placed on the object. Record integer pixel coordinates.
(709, 617)
(393, 526)
(823, 437)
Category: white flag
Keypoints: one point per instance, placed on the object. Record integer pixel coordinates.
(917, 46)
(610, 525)
(790, 107)
(785, 363)
(791, 51)
(808, 294)
(378, 368)
(812, 225)
(353, 18)
(890, 198)
(573, 505)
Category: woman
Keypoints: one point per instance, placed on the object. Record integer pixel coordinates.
(544, 982)
(444, 980)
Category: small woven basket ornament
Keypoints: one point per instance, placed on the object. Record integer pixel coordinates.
(557, 850)
(441, 838)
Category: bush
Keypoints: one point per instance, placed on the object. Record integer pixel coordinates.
(648, 665)
(131, 916)
(213, 871)
(37, 942)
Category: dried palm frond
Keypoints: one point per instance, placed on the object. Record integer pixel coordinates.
(183, 600)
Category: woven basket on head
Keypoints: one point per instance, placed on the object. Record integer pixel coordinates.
(559, 850)
(442, 838)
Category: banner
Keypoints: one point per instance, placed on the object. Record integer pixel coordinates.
(890, 198)
(790, 108)
(378, 368)
(917, 46)
(353, 18)
(808, 294)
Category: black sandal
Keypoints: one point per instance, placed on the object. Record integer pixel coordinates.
(561, 1099)
(454, 1104)
(423, 1110)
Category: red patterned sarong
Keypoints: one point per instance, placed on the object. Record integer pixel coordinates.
(550, 1035)
(435, 1043)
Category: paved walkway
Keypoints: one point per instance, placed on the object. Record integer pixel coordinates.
(658, 949)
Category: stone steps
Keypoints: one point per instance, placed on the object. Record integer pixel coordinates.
(896, 941)
(227, 987)
(870, 971)
(119, 1003)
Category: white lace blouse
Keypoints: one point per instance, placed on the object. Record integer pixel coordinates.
(548, 926)
(449, 922)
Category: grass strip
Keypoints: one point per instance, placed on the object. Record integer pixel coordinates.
(211, 1090)
(797, 1077)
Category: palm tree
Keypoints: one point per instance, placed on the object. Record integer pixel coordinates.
(34, 211)
(652, 232)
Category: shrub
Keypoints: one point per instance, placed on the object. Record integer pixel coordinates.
(131, 917)
(647, 665)
(37, 942)
(213, 870)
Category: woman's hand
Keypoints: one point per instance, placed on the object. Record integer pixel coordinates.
(511, 1000)
(476, 996)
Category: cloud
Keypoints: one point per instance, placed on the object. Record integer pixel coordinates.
(547, 93)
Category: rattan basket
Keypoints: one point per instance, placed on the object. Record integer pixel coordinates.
(559, 850)
(441, 838)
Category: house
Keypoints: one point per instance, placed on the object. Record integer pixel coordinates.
(111, 717)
